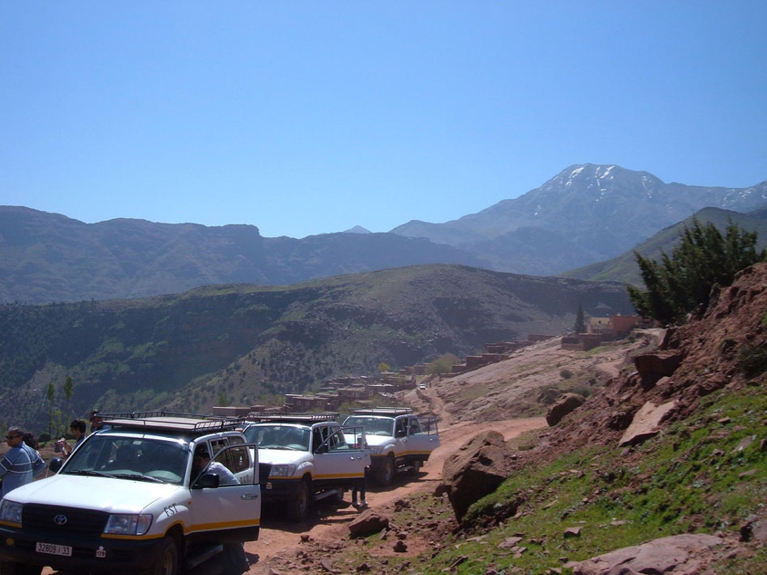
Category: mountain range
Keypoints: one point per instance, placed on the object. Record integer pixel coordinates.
(584, 215)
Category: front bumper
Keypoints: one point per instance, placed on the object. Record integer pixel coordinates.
(280, 489)
(117, 556)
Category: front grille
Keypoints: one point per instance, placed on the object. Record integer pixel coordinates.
(45, 517)
(264, 469)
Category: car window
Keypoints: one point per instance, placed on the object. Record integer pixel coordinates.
(337, 442)
(129, 457)
(278, 436)
(372, 425)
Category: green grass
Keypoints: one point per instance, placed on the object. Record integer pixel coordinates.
(687, 479)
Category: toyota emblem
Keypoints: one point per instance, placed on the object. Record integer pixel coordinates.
(60, 520)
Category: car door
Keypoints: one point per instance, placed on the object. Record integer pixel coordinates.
(233, 509)
(421, 439)
(338, 462)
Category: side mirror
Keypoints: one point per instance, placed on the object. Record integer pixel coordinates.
(207, 481)
(322, 448)
(55, 464)
(401, 433)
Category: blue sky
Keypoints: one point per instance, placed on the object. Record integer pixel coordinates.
(313, 117)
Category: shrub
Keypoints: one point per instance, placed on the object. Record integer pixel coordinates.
(752, 359)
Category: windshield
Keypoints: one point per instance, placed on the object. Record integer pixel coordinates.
(278, 436)
(372, 425)
(129, 457)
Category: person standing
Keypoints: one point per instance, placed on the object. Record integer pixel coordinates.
(361, 488)
(77, 429)
(31, 442)
(20, 464)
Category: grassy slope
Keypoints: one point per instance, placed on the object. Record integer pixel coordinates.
(624, 268)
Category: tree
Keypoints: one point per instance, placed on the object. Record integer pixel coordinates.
(443, 364)
(703, 262)
(383, 366)
(580, 321)
(69, 391)
(50, 393)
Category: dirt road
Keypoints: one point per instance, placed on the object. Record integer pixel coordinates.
(278, 537)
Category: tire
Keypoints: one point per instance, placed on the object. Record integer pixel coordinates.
(167, 559)
(298, 507)
(14, 568)
(385, 473)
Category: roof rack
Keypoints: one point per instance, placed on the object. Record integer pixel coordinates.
(171, 421)
(293, 417)
(384, 411)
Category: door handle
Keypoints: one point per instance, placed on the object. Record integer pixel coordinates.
(249, 496)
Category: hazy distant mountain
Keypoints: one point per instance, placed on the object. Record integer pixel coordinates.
(51, 258)
(624, 267)
(357, 230)
(587, 213)
(185, 350)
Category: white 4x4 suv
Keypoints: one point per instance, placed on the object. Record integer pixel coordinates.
(398, 439)
(130, 499)
(306, 457)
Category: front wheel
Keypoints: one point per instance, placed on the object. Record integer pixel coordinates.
(385, 473)
(298, 507)
(167, 558)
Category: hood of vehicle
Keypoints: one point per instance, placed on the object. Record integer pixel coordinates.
(279, 456)
(96, 493)
(378, 440)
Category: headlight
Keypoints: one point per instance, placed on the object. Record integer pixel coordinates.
(10, 511)
(375, 449)
(128, 524)
(282, 471)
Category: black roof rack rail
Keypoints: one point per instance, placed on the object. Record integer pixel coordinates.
(293, 417)
(171, 421)
(383, 411)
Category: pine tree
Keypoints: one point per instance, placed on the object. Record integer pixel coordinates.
(580, 321)
(702, 263)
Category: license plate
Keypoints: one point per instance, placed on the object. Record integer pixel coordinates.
(52, 549)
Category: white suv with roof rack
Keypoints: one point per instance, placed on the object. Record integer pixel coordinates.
(306, 457)
(398, 439)
(130, 499)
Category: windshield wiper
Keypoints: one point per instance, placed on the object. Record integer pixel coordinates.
(139, 477)
(90, 473)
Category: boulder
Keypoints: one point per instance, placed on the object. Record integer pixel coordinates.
(475, 470)
(661, 364)
(368, 523)
(566, 403)
(676, 554)
(646, 423)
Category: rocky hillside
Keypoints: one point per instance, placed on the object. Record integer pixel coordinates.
(240, 342)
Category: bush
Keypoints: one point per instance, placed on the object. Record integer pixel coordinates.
(752, 359)
(684, 282)
(566, 374)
